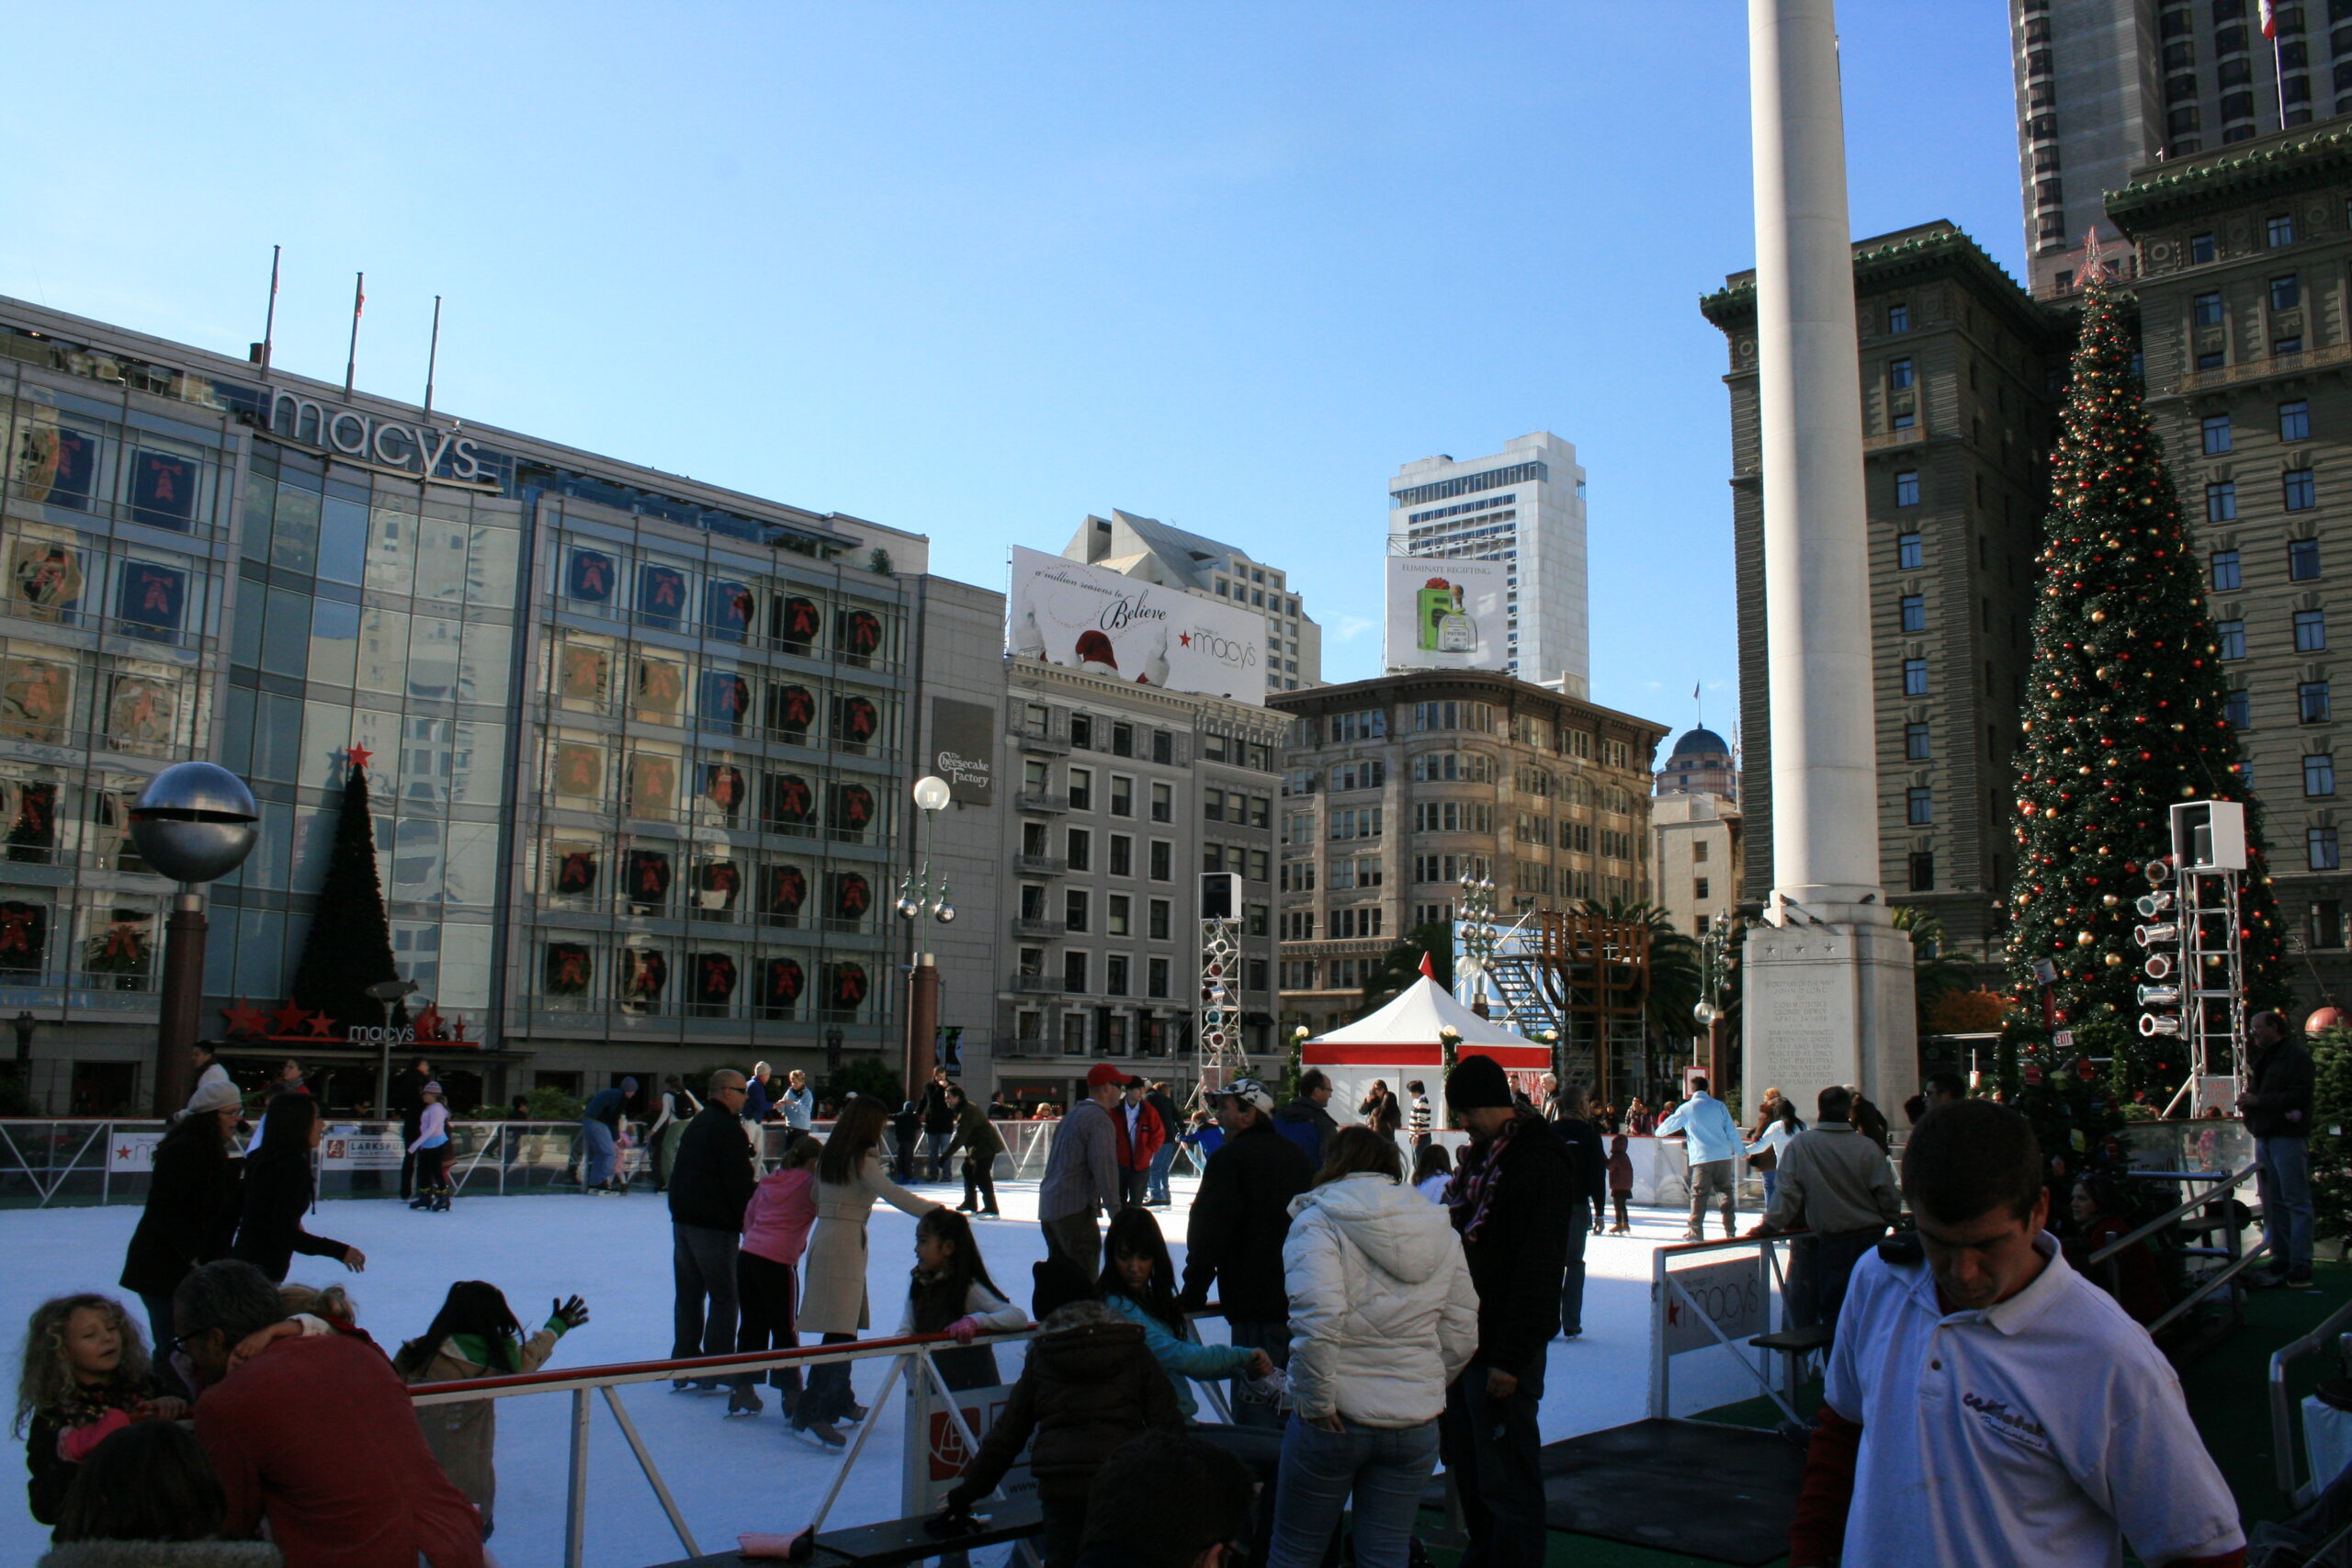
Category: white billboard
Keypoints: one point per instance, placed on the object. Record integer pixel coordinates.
(1448, 614)
(1068, 612)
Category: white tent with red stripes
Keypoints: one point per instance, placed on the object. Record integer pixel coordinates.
(1401, 1042)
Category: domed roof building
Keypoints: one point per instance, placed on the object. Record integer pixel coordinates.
(1701, 764)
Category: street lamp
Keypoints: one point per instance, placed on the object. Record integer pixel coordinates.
(918, 897)
(390, 993)
(195, 822)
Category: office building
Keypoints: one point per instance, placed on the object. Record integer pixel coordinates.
(1153, 552)
(1697, 852)
(1395, 789)
(1961, 373)
(640, 746)
(1701, 762)
(2105, 87)
(1132, 804)
(1524, 505)
(2243, 256)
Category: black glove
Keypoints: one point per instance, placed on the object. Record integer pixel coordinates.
(570, 1314)
(955, 1518)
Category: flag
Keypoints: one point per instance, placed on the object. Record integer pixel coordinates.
(2270, 18)
(1694, 691)
(1427, 967)
(359, 298)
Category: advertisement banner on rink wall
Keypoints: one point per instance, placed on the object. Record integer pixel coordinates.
(1448, 614)
(344, 1148)
(1066, 613)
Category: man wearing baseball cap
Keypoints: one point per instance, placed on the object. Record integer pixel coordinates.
(1082, 1173)
(1236, 1230)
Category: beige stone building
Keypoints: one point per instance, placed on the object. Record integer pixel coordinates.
(1696, 849)
(1396, 788)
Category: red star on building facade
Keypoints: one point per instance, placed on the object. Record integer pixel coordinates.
(320, 1023)
(357, 756)
(428, 1022)
(289, 1018)
(245, 1020)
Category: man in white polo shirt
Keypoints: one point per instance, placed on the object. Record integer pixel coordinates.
(1988, 1404)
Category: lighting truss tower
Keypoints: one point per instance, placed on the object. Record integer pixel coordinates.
(2193, 977)
(1223, 1059)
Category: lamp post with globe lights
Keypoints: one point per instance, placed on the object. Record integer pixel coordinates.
(195, 822)
(918, 897)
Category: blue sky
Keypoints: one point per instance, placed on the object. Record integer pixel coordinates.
(976, 270)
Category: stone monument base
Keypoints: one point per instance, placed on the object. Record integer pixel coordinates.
(1828, 1004)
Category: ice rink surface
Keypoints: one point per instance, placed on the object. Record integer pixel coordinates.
(744, 1473)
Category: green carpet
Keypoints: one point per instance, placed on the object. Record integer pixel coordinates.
(2227, 1391)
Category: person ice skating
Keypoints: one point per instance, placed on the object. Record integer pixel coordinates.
(776, 1224)
(1082, 1173)
(1087, 1386)
(1621, 1181)
(314, 1435)
(406, 1100)
(190, 1216)
(977, 1136)
(1835, 1185)
(849, 1180)
(86, 1376)
(1986, 1403)
(949, 1292)
(1514, 1190)
(658, 1132)
(1432, 1171)
(1172, 1124)
(1140, 1136)
(1767, 1145)
(431, 1151)
(906, 1141)
(709, 1186)
(600, 1128)
(1570, 1114)
(1236, 1230)
(278, 1192)
(681, 1106)
(938, 1125)
(147, 1495)
(798, 1102)
(1383, 1318)
(756, 1104)
(1712, 1148)
(476, 1335)
(1139, 1283)
(205, 1057)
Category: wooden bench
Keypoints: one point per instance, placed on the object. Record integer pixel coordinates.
(896, 1541)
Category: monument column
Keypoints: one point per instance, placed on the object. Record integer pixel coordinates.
(1829, 984)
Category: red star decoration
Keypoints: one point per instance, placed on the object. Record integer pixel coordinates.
(288, 1018)
(428, 1022)
(457, 1030)
(1183, 639)
(245, 1020)
(357, 756)
(320, 1023)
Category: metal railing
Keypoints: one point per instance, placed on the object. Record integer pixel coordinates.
(2221, 1193)
(2282, 1411)
(584, 1382)
(1668, 1299)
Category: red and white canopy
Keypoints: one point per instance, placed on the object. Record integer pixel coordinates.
(1405, 1035)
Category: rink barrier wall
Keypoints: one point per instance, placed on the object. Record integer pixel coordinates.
(66, 1162)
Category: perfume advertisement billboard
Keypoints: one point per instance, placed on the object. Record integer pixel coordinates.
(1445, 614)
(1068, 612)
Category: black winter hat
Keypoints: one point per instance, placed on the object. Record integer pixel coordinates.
(1056, 1283)
(1476, 1082)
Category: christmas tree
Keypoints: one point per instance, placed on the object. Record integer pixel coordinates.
(2124, 717)
(350, 944)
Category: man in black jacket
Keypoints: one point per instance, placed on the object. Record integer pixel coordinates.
(2277, 1107)
(1239, 1220)
(1512, 1202)
(709, 1184)
(1569, 1112)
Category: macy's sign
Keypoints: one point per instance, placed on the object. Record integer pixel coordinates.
(419, 449)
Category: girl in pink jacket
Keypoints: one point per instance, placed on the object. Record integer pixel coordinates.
(776, 1222)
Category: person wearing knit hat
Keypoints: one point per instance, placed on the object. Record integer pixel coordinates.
(193, 1198)
(1512, 1201)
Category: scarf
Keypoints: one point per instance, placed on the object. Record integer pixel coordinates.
(1472, 1191)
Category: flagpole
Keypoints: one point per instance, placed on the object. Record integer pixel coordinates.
(351, 362)
(269, 321)
(433, 356)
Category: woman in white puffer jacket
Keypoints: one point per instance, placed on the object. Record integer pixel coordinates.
(1383, 1317)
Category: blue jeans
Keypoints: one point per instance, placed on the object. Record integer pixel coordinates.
(1572, 1278)
(1157, 1193)
(1273, 1338)
(1771, 1184)
(1384, 1468)
(1494, 1452)
(2283, 1177)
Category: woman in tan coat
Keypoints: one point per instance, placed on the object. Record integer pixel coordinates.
(832, 1299)
(475, 1334)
